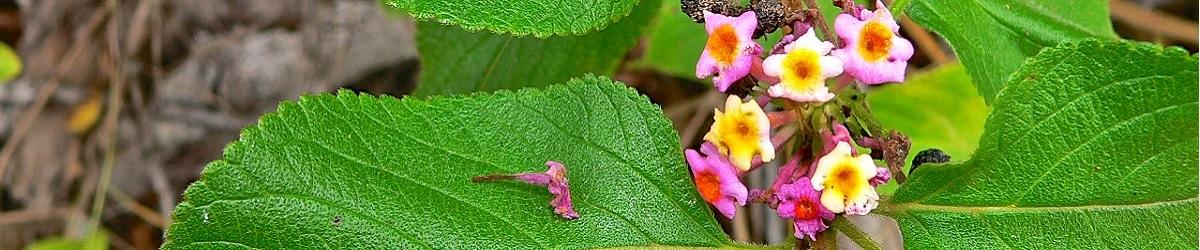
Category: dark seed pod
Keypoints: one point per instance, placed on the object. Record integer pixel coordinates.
(932, 155)
(771, 15)
(695, 8)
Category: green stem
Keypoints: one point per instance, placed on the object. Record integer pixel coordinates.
(115, 88)
(855, 234)
(826, 240)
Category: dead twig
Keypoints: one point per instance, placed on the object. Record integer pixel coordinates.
(138, 209)
(703, 109)
(1155, 22)
(30, 215)
(925, 41)
(116, 89)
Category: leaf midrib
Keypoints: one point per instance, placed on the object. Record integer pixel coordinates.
(907, 208)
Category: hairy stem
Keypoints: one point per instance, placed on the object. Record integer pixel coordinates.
(494, 177)
(820, 22)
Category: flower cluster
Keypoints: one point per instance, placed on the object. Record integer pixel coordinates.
(825, 174)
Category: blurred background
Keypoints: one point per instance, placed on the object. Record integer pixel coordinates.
(118, 105)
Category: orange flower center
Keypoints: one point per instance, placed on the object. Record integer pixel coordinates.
(709, 185)
(876, 41)
(806, 209)
(722, 44)
(802, 69)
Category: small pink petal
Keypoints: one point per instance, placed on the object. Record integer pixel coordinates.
(885, 16)
(746, 23)
(706, 66)
(732, 192)
(847, 27)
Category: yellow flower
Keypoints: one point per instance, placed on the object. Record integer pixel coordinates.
(742, 132)
(844, 180)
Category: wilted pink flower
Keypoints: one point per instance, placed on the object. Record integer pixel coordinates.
(716, 179)
(873, 50)
(801, 203)
(554, 179)
(730, 50)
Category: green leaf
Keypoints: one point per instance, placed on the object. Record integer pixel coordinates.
(993, 37)
(1091, 145)
(938, 108)
(540, 18)
(459, 61)
(359, 171)
(10, 64)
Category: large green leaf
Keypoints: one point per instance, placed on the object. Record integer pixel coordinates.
(524, 17)
(455, 60)
(993, 37)
(938, 108)
(1091, 145)
(359, 171)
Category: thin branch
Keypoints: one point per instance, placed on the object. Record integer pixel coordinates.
(925, 41)
(141, 211)
(741, 227)
(1154, 21)
(115, 91)
(820, 22)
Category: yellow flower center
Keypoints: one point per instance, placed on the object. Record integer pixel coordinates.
(875, 41)
(739, 133)
(802, 70)
(722, 44)
(845, 180)
(709, 185)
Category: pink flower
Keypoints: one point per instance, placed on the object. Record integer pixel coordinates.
(873, 50)
(801, 203)
(554, 179)
(730, 50)
(716, 179)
